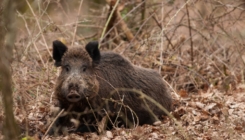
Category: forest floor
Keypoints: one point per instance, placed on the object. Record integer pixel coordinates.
(203, 114)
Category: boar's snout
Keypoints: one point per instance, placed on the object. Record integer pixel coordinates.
(73, 96)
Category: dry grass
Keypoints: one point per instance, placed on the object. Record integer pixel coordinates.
(197, 46)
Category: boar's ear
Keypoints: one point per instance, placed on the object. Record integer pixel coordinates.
(58, 51)
(93, 51)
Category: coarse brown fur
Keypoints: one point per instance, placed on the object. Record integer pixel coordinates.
(94, 75)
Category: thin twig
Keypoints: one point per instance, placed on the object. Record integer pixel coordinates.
(150, 99)
(177, 12)
(107, 22)
(33, 42)
(118, 22)
(39, 26)
(75, 30)
(160, 26)
(191, 41)
(175, 93)
(161, 47)
(50, 126)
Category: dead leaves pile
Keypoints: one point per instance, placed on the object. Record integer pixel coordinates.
(208, 115)
(213, 115)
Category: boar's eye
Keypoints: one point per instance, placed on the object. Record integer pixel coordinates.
(84, 68)
(67, 68)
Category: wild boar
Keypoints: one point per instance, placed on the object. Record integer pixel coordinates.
(88, 78)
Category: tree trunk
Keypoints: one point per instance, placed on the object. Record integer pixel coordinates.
(7, 39)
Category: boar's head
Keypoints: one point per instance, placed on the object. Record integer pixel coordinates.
(77, 80)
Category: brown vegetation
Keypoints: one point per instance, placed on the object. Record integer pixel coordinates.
(197, 46)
